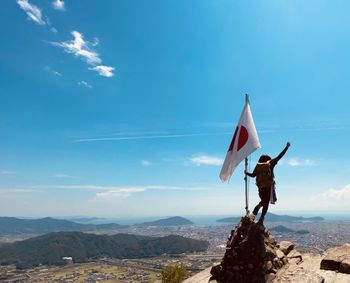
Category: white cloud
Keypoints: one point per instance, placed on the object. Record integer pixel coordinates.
(146, 163)
(206, 160)
(54, 30)
(343, 193)
(32, 11)
(58, 5)
(104, 71)
(56, 73)
(84, 84)
(63, 176)
(300, 162)
(80, 48)
(7, 172)
(83, 49)
(17, 191)
(119, 193)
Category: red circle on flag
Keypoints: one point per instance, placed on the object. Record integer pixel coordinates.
(243, 137)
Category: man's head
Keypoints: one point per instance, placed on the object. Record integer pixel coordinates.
(264, 158)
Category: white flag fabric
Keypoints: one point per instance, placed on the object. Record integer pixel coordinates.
(245, 141)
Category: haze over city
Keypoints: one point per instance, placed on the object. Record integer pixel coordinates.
(127, 109)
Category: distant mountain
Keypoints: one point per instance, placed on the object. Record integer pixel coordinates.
(283, 229)
(50, 248)
(16, 226)
(171, 221)
(271, 217)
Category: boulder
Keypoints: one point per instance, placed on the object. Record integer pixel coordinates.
(286, 247)
(280, 254)
(345, 266)
(337, 259)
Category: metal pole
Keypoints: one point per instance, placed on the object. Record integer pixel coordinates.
(246, 186)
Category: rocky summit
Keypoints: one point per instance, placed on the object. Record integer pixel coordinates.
(252, 255)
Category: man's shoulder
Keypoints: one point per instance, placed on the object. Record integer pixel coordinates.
(273, 162)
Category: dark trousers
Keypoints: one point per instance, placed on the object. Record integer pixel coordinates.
(264, 194)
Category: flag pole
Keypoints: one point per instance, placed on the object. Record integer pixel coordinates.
(246, 186)
(246, 169)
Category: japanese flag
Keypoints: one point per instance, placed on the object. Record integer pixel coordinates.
(245, 141)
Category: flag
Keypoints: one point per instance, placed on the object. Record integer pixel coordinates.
(245, 141)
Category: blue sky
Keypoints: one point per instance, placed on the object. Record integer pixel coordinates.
(126, 108)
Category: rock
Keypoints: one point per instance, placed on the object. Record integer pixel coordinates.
(268, 265)
(250, 255)
(286, 247)
(345, 266)
(294, 254)
(334, 257)
(279, 254)
(302, 277)
(269, 277)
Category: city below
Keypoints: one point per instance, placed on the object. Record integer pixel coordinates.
(309, 236)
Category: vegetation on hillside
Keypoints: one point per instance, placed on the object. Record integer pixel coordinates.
(50, 248)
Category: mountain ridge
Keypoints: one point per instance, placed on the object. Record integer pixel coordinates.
(271, 217)
(49, 249)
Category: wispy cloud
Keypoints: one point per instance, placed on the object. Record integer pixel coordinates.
(63, 176)
(58, 5)
(53, 72)
(84, 84)
(146, 163)
(17, 191)
(145, 137)
(83, 49)
(206, 160)
(80, 48)
(32, 11)
(104, 71)
(119, 193)
(7, 172)
(343, 193)
(296, 162)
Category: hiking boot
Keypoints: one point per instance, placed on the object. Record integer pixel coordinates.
(261, 220)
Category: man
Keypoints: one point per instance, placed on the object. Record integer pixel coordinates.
(265, 181)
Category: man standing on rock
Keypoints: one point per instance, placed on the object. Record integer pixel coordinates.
(265, 181)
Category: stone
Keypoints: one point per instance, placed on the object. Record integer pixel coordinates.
(268, 265)
(280, 254)
(269, 277)
(345, 266)
(250, 255)
(334, 257)
(286, 246)
(294, 254)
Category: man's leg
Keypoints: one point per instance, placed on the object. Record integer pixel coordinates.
(265, 200)
(256, 209)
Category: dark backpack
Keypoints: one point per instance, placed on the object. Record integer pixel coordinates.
(264, 177)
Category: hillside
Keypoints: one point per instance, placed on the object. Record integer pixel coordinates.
(16, 226)
(283, 229)
(171, 221)
(253, 255)
(50, 248)
(271, 217)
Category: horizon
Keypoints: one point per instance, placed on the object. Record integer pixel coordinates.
(121, 110)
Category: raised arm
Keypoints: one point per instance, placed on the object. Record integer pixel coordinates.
(282, 153)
